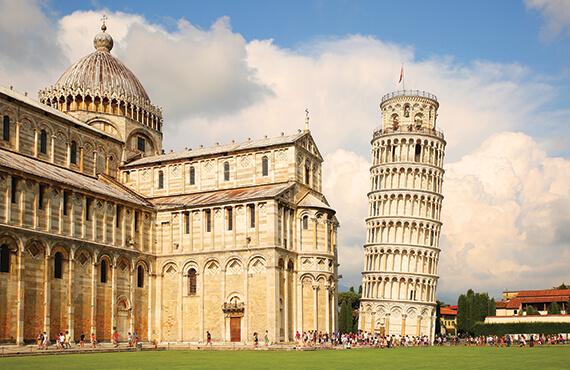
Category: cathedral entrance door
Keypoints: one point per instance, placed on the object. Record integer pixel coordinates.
(235, 329)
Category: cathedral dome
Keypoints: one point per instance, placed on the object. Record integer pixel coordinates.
(102, 79)
(102, 73)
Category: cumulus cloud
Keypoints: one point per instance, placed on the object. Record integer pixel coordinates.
(29, 46)
(506, 199)
(189, 71)
(556, 14)
(506, 217)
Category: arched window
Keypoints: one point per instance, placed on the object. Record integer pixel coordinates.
(73, 152)
(305, 222)
(4, 258)
(307, 172)
(395, 121)
(103, 271)
(43, 142)
(226, 171)
(418, 153)
(264, 166)
(192, 179)
(58, 266)
(140, 276)
(161, 179)
(192, 281)
(6, 128)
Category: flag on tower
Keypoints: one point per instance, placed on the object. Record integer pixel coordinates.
(401, 74)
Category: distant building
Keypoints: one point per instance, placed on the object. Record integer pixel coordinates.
(448, 320)
(515, 304)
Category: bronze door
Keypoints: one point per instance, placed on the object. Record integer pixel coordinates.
(235, 329)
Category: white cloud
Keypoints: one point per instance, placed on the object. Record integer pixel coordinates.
(506, 217)
(216, 86)
(189, 71)
(556, 14)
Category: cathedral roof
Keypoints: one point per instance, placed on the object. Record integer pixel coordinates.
(214, 197)
(313, 201)
(233, 147)
(47, 171)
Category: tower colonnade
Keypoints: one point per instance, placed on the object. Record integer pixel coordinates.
(401, 252)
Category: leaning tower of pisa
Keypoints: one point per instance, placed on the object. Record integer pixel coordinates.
(401, 253)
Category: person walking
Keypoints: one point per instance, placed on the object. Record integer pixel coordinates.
(116, 338)
(266, 338)
(67, 340)
(208, 339)
(130, 339)
(40, 340)
(93, 340)
(82, 340)
(255, 340)
(46, 341)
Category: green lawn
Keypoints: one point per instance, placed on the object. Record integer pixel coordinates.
(400, 358)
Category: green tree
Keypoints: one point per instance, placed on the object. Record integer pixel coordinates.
(438, 318)
(473, 307)
(492, 308)
(345, 318)
(553, 309)
(462, 313)
(531, 311)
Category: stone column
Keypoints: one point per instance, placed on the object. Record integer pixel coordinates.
(52, 149)
(20, 303)
(180, 308)
(299, 298)
(387, 324)
(286, 304)
(132, 277)
(113, 294)
(94, 295)
(47, 292)
(327, 309)
(18, 136)
(151, 281)
(316, 306)
(404, 324)
(70, 307)
(35, 143)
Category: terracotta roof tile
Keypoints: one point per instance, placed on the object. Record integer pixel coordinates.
(220, 196)
(48, 171)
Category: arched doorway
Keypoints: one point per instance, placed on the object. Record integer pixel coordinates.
(123, 316)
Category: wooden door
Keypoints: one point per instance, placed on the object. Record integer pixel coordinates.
(235, 329)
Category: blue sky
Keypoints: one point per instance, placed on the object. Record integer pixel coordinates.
(501, 31)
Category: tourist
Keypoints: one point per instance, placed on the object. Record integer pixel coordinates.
(136, 337)
(40, 340)
(67, 340)
(116, 338)
(255, 340)
(266, 338)
(130, 339)
(61, 341)
(82, 340)
(46, 341)
(93, 340)
(208, 339)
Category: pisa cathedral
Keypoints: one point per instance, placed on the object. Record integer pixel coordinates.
(100, 229)
(401, 253)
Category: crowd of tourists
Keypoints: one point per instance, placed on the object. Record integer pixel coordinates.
(64, 341)
(520, 340)
(313, 338)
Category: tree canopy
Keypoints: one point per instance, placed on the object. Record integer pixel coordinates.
(471, 308)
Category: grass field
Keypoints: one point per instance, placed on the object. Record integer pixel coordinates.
(399, 358)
